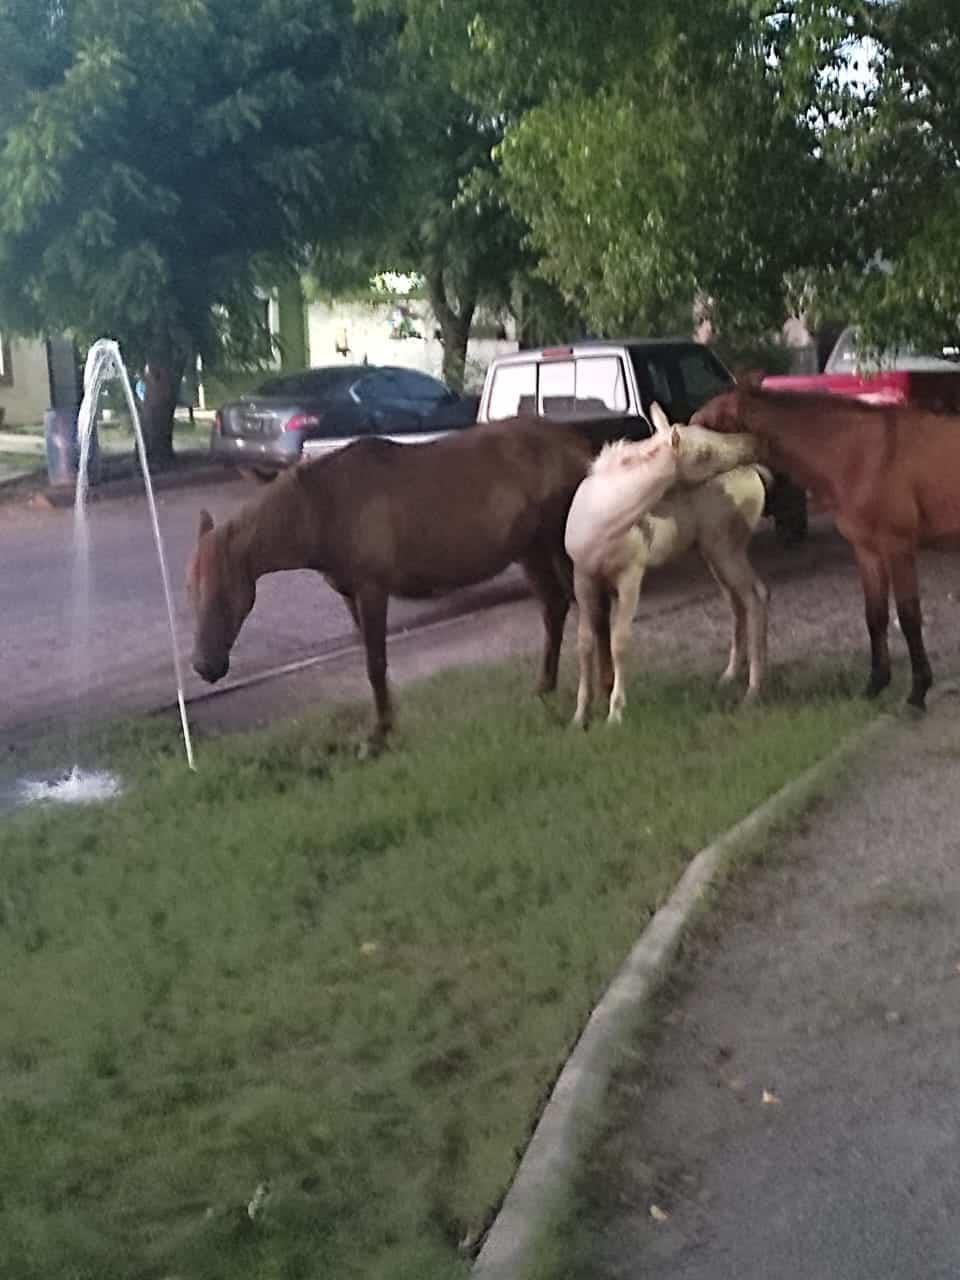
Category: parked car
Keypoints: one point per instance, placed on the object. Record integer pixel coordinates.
(307, 413)
(620, 377)
(902, 376)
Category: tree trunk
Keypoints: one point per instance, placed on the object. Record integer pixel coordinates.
(454, 328)
(162, 379)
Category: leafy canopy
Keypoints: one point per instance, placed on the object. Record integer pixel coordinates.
(158, 156)
(896, 143)
(649, 149)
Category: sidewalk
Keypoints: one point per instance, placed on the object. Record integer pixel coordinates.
(795, 1109)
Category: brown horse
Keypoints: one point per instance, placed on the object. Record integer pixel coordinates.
(891, 476)
(379, 519)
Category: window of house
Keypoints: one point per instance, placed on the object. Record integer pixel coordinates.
(6, 365)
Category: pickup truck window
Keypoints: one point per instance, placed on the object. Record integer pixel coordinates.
(652, 375)
(679, 380)
(700, 378)
(587, 385)
(514, 391)
(560, 388)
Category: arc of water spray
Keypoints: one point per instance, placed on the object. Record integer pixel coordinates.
(103, 363)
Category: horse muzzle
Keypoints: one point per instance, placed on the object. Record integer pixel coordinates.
(209, 670)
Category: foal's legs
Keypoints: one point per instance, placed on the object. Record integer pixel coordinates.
(738, 647)
(372, 611)
(593, 642)
(585, 588)
(876, 596)
(550, 589)
(757, 606)
(906, 592)
(749, 599)
(621, 630)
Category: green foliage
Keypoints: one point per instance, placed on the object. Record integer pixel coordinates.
(649, 150)
(895, 142)
(156, 159)
(598, 166)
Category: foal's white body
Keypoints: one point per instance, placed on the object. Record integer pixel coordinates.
(611, 555)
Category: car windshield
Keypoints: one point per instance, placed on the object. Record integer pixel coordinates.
(311, 382)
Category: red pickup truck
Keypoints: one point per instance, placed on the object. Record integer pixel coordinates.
(901, 377)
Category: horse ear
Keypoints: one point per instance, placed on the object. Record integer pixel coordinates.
(206, 522)
(658, 418)
(751, 379)
(675, 441)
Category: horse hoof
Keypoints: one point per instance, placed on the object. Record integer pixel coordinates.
(917, 702)
(750, 698)
(372, 747)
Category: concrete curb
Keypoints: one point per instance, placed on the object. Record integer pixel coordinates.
(545, 1175)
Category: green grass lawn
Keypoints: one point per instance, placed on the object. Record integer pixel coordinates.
(113, 438)
(349, 983)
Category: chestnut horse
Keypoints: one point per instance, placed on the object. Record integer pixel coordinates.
(379, 519)
(891, 476)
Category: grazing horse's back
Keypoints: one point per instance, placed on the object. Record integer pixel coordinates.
(431, 517)
(379, 519)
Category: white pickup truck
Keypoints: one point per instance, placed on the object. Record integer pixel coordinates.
(620, 377)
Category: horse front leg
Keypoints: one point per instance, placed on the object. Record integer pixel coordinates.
(906, 592)
(876, 597)
(586, 647)
(748, 597)
(758, 611)
(738, 638)
(621, 631)
(593, 644)
(554, 597)
(372, 612)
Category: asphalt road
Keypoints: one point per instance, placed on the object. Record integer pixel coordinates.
(128, 663)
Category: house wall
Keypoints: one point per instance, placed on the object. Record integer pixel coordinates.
(354, 330)
(26, 398)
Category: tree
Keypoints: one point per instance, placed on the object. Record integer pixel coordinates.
(443, 217)
(159, 157)
(649, 149)
(892, 131)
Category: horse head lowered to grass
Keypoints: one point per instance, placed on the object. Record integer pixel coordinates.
(379, 519)
(891, 477)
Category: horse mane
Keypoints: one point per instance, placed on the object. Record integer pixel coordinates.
(619, 454)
